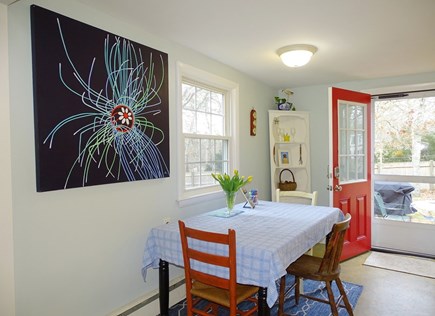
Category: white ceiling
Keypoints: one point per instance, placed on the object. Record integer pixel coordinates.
(356, 39)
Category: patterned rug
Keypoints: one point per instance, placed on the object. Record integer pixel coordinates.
(305, 307)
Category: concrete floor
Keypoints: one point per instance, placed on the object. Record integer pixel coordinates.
(389, 292)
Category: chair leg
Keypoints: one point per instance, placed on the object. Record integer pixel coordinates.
(190, 304)
(343, 294)
(297, 289)
(331, 298)
(281, 296)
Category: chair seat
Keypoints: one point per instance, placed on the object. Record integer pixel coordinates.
(222, 296)
(308, 267)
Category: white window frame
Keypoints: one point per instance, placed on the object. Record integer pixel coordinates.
(201, 194)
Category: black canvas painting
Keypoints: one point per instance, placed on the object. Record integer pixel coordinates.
(100, 103)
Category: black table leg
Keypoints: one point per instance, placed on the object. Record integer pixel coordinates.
(263, 308)
(164, 287)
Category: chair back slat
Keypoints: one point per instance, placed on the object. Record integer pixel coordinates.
(331, 259)
(217, 238)
(209, 278)
(299, 197)
(217, 260)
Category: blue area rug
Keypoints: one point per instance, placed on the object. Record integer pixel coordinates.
(305, 307)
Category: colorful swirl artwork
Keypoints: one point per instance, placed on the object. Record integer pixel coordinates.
(101, 105)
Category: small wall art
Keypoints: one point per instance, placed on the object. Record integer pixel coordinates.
(100, 105)
(284, 158)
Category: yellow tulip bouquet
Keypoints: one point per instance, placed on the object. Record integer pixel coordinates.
(230, 185)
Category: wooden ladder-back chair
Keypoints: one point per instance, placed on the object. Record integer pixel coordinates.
(326, 269)
(296, 197)
(216, 290)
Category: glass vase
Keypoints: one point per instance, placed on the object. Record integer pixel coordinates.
(230, 199)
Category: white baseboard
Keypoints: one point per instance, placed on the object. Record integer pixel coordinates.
(152, 307)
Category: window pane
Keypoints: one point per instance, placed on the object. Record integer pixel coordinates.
(342, 116)
(204, 123)
(405, 136)
(206, 178)
(351, 117)
(188, 97)
(217, 103)
(352, 168)
(360, 143)
(192, 150)
(360, 168)
(203, 100)
(189, 122)
(359, 117)
(221, 158)
(343, 169)
(207, 152)
(343, 142)
(351, 144)
(404, 201)
(192, 176)
(217, 125)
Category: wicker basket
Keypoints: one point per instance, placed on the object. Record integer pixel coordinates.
(287, 185)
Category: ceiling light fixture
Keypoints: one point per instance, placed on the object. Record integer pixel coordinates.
(296, 55)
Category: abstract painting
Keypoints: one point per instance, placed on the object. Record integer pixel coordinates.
(100, 105)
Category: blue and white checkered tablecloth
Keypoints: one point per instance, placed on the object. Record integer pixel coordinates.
(269, 238)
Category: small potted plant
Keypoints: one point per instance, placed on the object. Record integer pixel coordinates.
(230, 185)
(282, 103)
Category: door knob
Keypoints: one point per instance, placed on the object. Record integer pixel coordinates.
(338, 188)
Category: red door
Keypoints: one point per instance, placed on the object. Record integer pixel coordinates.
(351, 165)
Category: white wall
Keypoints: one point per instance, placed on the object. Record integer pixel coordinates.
(315, 100)
(7, 287)
(79, 251)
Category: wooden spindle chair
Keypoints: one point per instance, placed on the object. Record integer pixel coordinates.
(326, 269)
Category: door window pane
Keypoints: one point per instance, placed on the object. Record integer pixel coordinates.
(352, 142)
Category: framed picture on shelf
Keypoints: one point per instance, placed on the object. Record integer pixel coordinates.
(284, 158)
(247, 198)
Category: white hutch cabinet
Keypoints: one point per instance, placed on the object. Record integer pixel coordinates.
(289, 142)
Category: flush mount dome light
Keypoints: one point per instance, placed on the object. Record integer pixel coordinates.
(296, 55)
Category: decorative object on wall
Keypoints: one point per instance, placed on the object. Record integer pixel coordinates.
(253, 119)
(100, 103)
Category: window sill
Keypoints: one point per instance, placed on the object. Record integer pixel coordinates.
(197, 199)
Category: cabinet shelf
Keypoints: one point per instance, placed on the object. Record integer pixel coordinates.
(291, 167)
(289, 143)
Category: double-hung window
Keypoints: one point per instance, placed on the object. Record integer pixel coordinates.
(207, 132)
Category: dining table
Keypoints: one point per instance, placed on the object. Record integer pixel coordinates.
(269, 237)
